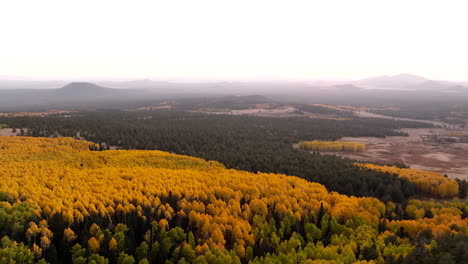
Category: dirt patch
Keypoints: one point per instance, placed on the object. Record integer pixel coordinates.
(369, 114)
(286, 111)
(415, 151)
(440, 156)
(8, 132)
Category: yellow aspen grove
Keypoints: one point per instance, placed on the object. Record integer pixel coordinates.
(65, 170)
(45, 242)
(217, 236)
(69, 235)
(159, 206)
(163, 224)
(94, 230)
(32, 231)
(332, 146)
(429, 182)
(37, 251)
(93, 244)
(112, 244)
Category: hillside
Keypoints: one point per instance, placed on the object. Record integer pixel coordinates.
(65, 202)
(393, 81)
(74, 94)
(408, 82)
(83, 87)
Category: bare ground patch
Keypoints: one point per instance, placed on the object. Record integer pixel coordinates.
(415, 151)
(8, 132)
(286, 111)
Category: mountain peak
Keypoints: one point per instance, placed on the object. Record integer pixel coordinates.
(402, 80)
(81, 86)
(86, 89)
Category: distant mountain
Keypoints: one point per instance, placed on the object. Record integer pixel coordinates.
(393, 81)
(90, 91)
(83, 86)
(86, 95)
(407, 82)
(73, 94)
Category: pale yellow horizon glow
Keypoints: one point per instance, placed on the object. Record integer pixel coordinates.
(289, 40)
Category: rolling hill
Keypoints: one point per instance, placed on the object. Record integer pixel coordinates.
(406, 82)
(63, 202)
(72, 94)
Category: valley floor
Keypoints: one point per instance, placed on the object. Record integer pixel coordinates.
(417, 150)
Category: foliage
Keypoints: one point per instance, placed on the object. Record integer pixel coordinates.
(154, 207)
(462, 194)
(429, 182)
(14, 217)
(324, 109)
(240, 142)
(317, 145)
(12, 252)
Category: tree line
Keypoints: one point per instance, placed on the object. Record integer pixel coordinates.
(241, 142)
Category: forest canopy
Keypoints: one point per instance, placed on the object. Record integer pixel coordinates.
(241, 142)
(431, 183)
(66, 202)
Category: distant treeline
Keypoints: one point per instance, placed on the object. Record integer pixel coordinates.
(318, 109)
(449, 113)
(242, 142)
(317, 145)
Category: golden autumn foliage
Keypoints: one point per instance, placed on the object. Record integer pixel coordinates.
(69, 235)
(317, 145)
(45, 242)
(263, 106)
(428, 182)
(37, 251)
(63, 176)
(32, 231)
(93, 244)
(444, 217)
(221, 209)
(94, 230)
(113, 244)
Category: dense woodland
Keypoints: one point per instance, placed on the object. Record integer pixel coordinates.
(318, 109)
(428, 182)
(63, 203)
(241, 142)
(449, 113)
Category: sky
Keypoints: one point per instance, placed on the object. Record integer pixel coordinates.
(248, 40)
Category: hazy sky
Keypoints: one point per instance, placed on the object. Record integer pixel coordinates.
(233, 39)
